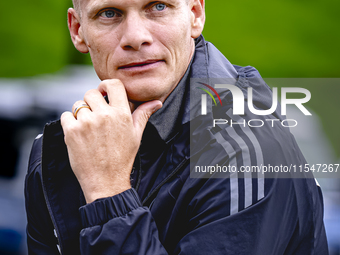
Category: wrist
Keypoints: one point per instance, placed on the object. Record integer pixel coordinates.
(99, 192)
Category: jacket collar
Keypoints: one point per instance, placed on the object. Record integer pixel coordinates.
(183, 104)
(209, 65)
(167, 120)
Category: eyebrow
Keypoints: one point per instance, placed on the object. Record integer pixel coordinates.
(93, 8)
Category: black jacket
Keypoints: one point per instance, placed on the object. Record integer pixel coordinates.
(171, 212)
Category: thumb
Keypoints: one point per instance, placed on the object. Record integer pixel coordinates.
(142, 114)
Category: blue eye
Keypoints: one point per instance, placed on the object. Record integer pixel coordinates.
(160, 7)
(108, 14)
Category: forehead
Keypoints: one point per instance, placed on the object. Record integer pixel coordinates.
(90, 3)
(85, 5)
(90, 7)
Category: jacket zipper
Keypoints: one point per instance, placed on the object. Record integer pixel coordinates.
(139, 178)
(51, 216)
(179, 167)
(47, 202)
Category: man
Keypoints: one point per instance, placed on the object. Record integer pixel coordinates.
(93, 188)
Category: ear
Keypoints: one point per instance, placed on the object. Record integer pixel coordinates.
(74, 25)
(197, 17)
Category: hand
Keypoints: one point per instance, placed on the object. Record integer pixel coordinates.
(102, 142)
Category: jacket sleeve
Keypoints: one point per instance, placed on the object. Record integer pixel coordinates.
(276, 224)
(119, 225)
(40, 235)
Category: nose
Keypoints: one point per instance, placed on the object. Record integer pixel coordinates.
(135, 33)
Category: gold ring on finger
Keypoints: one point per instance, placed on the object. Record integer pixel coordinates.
(80, 107)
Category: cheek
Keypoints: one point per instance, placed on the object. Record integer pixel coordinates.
(97, 57)
(179, 36)
(97, 40)
(97, 46)
(175, 32)
(101, 50)
(179, 44)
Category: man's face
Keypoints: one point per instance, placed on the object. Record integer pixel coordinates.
(145, 44)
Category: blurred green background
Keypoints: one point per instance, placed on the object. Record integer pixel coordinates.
(282, 39)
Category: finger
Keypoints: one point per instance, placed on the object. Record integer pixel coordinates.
(115, 91)
(95, 100)
(80, 107)
(67, 120)
(77, 104)
(142, 114)
(67, 117)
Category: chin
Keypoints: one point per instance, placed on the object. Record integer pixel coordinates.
(146, 90)
(139, 98)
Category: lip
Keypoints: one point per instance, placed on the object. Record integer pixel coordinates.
(141, 65)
